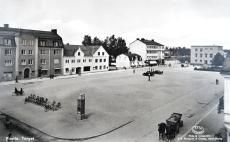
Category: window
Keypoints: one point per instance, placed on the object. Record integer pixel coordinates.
(55, 43)
(79, 53)
(206, 48)
(23, 42)
(211, 55)
(201, 55)
(57, 71)
(72, 69)
(196, 49)
(103, 53)
(210, 61)
(210, 48)
(66, 61)
(66, 70)
(56, 61)
(30, 52)
(98, 53)
(56, 52)
(104, 66)
(96, 60)
(90, 60)
(43, 52)
(195, 60)
(200, 60)
(31, 42)
(23, 62)
(44, 72)
(206, 55)
(23, 52)
(72, 61)
(78, 60)
(84, 60)
(8, 63)
(196, 54)
(95, 67)
(8, 52)
(42, 43)
(100, 67)
(201, 50)
(105, 59)
(43, 61)
(100, 60)
(7, 41)
(30, 62)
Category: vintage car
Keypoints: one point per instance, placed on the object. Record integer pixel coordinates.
(158, 72)
(148, 73)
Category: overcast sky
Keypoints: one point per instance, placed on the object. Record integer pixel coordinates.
(170, 22)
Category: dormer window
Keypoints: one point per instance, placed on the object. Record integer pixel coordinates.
(98, 53)
(79, 53)
(56, 44)
(42, 43)
(7, 41)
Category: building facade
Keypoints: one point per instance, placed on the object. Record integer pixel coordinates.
(37, 53)
(7, 54)
(226, 74)
(80, 59)
(201, 55)
(128, 60)
(149, 50)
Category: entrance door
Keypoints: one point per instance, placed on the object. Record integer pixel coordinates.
(78, 70)
(27, 73)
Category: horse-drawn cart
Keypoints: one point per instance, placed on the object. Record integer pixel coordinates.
(175, 121)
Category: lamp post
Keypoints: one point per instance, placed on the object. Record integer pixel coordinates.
(149, 76)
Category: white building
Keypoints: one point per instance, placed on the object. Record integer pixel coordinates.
(149, 50)
(226, 74)
(204, 54)
(128, 60)
(79, 59)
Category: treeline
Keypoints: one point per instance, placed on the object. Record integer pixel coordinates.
(113, 46)
(178, 51)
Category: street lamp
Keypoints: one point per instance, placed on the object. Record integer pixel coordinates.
(149, 76)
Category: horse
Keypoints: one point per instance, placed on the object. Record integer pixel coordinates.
(170, 131)
(161, 130)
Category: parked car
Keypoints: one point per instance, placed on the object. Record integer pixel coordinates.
(158, 72)
(148, 73)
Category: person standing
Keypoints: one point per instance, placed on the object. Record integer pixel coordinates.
(16, 79)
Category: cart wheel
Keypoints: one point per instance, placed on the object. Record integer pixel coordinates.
(13, 94)
(177, 129)
(181, 123)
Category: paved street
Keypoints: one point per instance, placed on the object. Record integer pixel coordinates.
(115, 99)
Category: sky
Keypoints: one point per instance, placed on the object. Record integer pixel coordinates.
(172, 23)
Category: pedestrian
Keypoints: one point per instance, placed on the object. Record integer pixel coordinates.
(133, 70)
(8, 138)
(50, 76)
(16, 79)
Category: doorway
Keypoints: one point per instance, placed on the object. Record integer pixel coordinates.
(26, 73)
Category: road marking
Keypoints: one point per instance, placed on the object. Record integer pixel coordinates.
(198, 122)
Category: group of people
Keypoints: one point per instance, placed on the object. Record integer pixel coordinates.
(17, 92)
(41, 101)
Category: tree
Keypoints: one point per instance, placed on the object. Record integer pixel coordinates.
(87, 41)
(218, 60)
(96, 41)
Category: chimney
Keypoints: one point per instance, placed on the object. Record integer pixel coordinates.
(54, 31)
(138, 39)
(152, 39)
(6, 25)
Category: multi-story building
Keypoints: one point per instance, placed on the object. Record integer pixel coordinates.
(201, 55)
(7, 54)
(128, 60)
(37, 53)
(79, 59)
(149, 50)
(226, 74)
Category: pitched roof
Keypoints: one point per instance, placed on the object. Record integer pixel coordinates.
(36, 33)
(133, 56)
(69, 50)
(150, 42)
